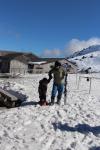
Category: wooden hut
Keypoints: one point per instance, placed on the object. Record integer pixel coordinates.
(16, 62)
(21, 63)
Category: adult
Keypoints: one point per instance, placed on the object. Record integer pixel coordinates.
(58, 73)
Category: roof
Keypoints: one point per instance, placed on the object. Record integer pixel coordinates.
(23, 57)
(27, 58)
(37, 62)
(5, 52)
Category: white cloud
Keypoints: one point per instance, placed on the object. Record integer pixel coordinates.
(71, 47)
(77, 45)
(52, 53)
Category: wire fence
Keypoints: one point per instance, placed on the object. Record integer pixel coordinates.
(89, 82)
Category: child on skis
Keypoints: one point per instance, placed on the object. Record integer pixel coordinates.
(42, 89)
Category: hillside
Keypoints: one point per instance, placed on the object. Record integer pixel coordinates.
(85, 51)
(89, 57)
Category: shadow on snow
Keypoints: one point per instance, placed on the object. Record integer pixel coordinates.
(29, 103)
(94, 148)
(82, 128)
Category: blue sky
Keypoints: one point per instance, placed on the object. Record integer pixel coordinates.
(49, 28)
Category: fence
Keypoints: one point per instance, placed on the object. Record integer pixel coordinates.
(88, 78)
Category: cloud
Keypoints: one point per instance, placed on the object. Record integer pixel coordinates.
(52, 53)
(77, 45)
(71, 47)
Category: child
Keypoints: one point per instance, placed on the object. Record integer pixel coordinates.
(42, 89)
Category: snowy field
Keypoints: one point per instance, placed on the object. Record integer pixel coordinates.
(75, 126)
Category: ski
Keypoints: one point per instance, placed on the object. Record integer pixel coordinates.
(65, 88)
(65, 83)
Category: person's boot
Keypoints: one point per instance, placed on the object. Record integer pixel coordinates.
(59, 99)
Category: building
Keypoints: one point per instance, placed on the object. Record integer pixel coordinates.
(22, 63)
(46, 64)
(14, 62)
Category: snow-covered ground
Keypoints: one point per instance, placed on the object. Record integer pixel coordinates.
(75, 126)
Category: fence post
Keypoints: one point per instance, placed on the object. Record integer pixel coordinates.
(90, 85)
(78, 82)
(76, 79)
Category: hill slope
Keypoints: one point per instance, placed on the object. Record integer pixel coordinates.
(89, 57)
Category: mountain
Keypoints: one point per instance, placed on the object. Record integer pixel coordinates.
(87, 58)
(90, 49)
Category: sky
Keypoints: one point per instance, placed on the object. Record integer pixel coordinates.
(49, 28)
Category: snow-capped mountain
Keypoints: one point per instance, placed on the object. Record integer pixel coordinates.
(87, 58)
(90, 49)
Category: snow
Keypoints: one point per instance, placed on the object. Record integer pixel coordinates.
(90, 49)
(37, 63)
(88, 61)
(75, 126)
(89, 57)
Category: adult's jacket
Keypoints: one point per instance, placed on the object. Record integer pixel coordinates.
(58, 74)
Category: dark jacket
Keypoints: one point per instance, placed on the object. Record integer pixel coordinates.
(42, 89)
